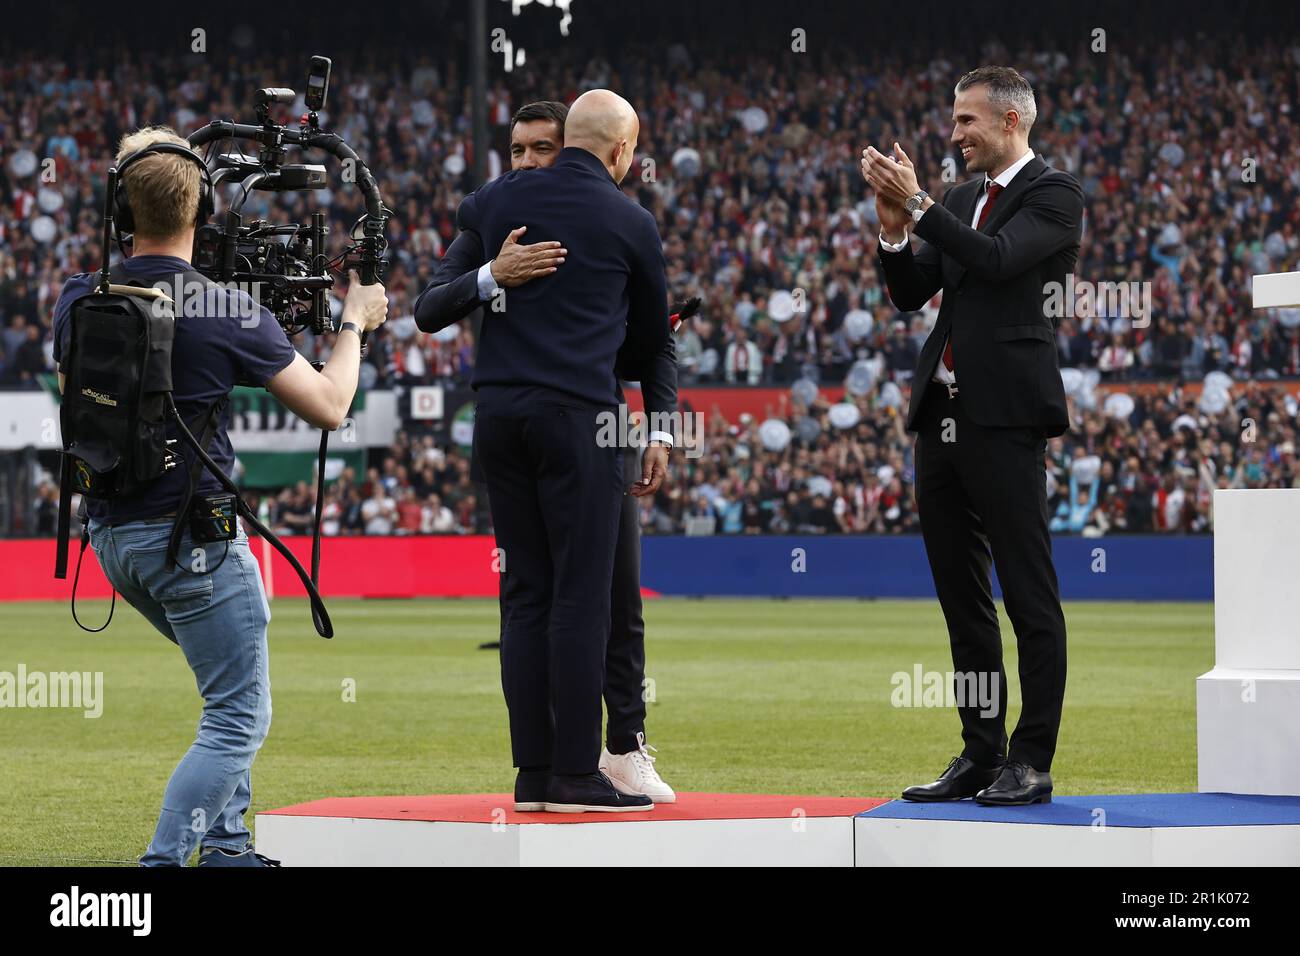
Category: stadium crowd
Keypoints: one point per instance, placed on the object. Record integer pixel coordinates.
(1152, 471)
(1191, 187)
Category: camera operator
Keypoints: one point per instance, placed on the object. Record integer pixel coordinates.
(212, 605)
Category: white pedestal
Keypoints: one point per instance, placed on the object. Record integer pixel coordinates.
(1275, 290)
(1248, 707)
(700, 829)
(964, 843)
(334, 841)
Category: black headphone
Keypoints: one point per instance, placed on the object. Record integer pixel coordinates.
(125, 219)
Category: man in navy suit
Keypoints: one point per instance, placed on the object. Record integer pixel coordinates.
(467, 279)
(546, 392)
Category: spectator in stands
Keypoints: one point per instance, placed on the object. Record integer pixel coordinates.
(1169, 504)
(1073, 515)
(27, 362)
(296, 510)
(379, 512)
(331, 518)
(436, 517)
(15, 334)
(901, 353)
(1115, 359)
(410, 513)
(47, 509)
(469, 520)
(744, 362)
(820, 516)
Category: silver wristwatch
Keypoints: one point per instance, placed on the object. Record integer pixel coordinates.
(913, 204)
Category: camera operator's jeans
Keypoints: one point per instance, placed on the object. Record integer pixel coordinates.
(218, 617)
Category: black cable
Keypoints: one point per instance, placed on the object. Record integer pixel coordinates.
(320, 501)
(319, 615)
(85, 539)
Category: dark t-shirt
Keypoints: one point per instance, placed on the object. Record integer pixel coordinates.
(227, 339)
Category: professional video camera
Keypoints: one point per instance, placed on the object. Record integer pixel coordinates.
(288, 262)
(120, 354)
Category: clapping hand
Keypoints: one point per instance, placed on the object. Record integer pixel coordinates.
(894, 180)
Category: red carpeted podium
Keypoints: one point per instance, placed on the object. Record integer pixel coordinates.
(716, 829)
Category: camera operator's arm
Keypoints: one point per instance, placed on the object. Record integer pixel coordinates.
(323, 398)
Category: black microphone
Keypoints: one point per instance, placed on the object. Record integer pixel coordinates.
(276, 94)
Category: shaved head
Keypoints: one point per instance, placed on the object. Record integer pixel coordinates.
(604, 124)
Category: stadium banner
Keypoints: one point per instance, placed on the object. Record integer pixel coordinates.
(1120, 568)
(259, 423)
(764, 402)
(426, 402)
(760, 401)
(273, 470)
(29, 419)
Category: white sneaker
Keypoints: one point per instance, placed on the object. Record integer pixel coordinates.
(635, 773)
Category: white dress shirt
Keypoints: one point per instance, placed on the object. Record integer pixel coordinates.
(942, 374)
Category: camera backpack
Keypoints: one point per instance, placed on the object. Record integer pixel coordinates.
(117, 403)
(118, 376)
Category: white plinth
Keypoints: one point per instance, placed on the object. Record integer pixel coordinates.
(1275, 289)
(332, 841)
(963, 843)
(1248, 707)
(700, 829)
(1248, 731)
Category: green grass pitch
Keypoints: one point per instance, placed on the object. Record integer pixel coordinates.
(749, 696)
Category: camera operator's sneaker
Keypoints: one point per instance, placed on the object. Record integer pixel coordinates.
(591, 793)
(635, 772)
(216, 856)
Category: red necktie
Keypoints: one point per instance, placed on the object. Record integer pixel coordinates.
(993, 191)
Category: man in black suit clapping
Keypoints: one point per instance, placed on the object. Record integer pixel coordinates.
(986, 396)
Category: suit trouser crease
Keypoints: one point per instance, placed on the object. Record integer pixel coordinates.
(555, 495)
(982, 503)
(625, 703)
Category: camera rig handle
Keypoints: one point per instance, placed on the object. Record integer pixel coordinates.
(308, 137)
(366, 254)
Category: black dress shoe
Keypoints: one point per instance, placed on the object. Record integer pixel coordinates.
(530, 790)
(591, 793)
(963, 778)
(1017, 786)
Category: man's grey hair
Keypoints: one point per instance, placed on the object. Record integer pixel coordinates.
(1007, 89)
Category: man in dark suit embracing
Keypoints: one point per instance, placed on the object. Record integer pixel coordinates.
(986, 396)
(546, 390)
(466, 279)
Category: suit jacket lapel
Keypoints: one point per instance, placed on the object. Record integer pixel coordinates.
(967, 212)
(1006, 204)
(954, 272)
